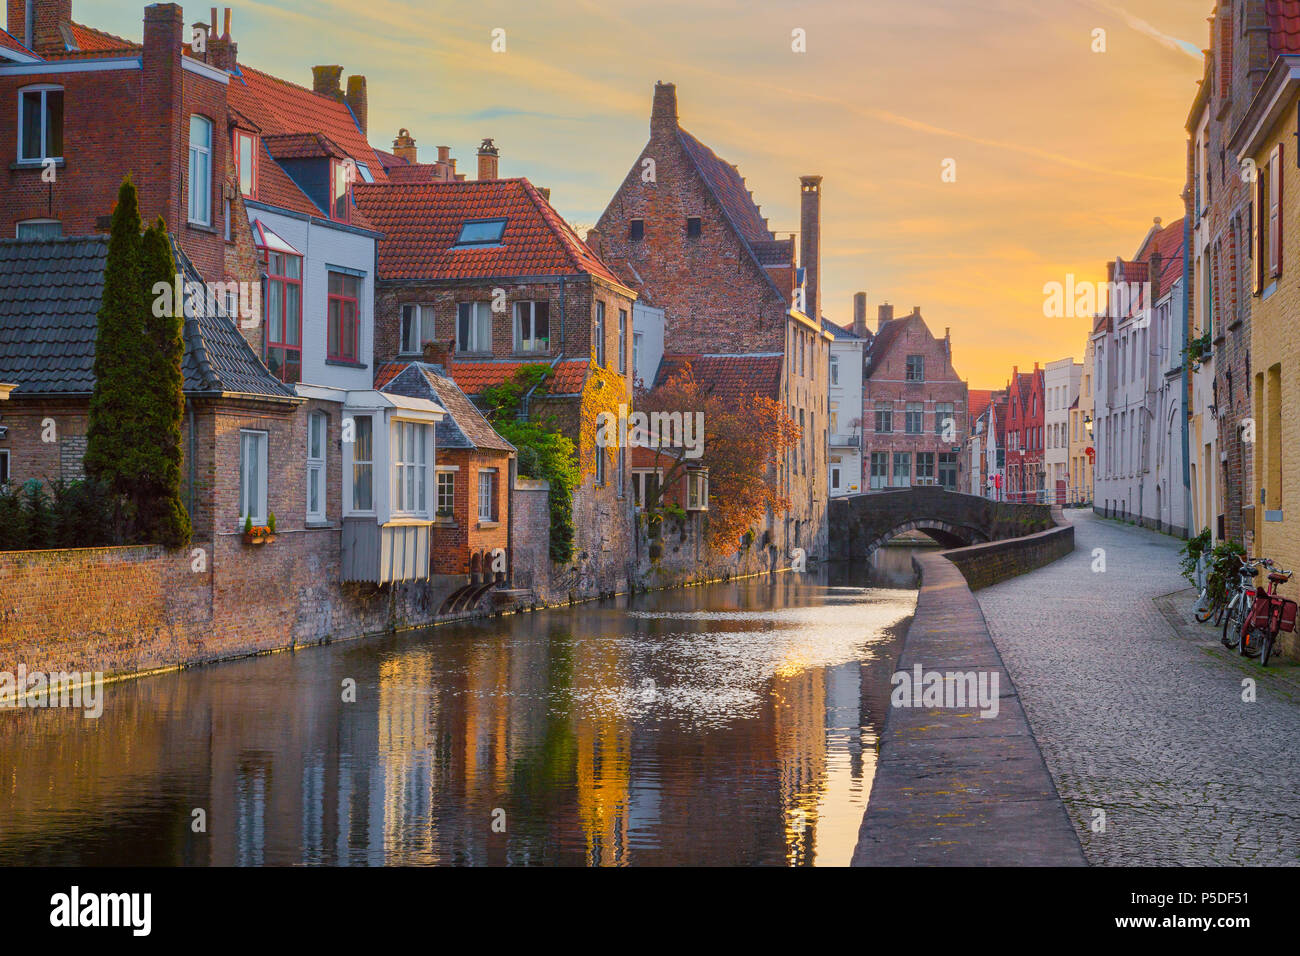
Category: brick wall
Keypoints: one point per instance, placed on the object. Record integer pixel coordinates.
(985, 564)
(465, 536)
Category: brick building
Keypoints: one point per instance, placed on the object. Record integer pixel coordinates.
(1026, 472)
(914, 407)
(685, 223)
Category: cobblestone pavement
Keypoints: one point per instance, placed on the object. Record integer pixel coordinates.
(1143, 720)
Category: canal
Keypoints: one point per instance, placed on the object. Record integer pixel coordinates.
(731, 723)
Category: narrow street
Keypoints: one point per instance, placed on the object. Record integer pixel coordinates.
(1144, 721)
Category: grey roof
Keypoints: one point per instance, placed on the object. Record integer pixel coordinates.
(839, 332)
(464, 425)
(50, 294)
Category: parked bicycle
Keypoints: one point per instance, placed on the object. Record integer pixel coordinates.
(1242, 600)
(1270, 614)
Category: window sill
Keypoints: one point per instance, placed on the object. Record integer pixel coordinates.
(488, 524)
(473, 356)
(34, 165)
(320, 526)
(344, 363)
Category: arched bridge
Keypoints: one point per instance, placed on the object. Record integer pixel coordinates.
(861, 523)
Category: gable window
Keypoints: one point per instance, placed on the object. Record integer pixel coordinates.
(200, 173)
(446, 493)
(363, 463)
(246, 162)
(598, 335)
(637, 230)
(40, 123)
(487, 495)
(913, 415)
(341, 175)
(40, 229)
(284, 315)
(693, 227)
(252, 476)
(473, 327)
(884, 416)
(916, 368)
(411, 468)
(316, 430)
(417, 328)
(622, 341)
(481, 232)
(697, 489)
(532, 326)
(343, 306)
(834, 366)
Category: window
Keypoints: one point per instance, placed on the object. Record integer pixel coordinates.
(417, 328)
(600, 465)
(637, 230)
(636, 350)
(884, 416)
(916, 368)
(913, 418)
(341, 190)
(316, 430)
(40, 120)
(246, 162)
(200, 180)
(902, 469)
(344, 297)
(227, 231)
(1274, 259)
(532, 326)
(487, 495)
(697, 490)
(948, 470)
(252, 476)
(446, 493)
(835, 369)
(622, 341)
(834, 409)
(4, 468)
(944, 412)
(598, 334)
(835, 477)
(40, 229)
(925, 467)
(363, 463)
(480, 232)
(410, 468)
(645, 487)
(693, 229)
(473, 327)
(284, 316)
(879, 470)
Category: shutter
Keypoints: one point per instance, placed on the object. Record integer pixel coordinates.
(1275, 199)
(1257, 264)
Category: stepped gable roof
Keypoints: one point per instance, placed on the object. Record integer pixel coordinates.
(50, 294)
(977, 400)
(464, 425)
(733, 378)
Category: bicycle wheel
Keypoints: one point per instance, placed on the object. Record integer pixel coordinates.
(1265, 649)
(1203, 609)
(1232, 626)
(1219, 612)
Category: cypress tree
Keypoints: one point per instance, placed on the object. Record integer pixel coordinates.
(166, 521)
(118, 425)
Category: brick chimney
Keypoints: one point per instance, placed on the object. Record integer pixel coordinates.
(35, 23)
(487, 160)
(223, 52)
(810, 244)
(325, 81)
(161, 136)
(404, 146)
(440, 353)
(356, 100)
(860, 314)
(663, 115)
(885, 313)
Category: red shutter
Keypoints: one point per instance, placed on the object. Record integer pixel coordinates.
(1256, 234)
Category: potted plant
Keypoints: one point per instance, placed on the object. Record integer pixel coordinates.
(444, 514)
(259, 534)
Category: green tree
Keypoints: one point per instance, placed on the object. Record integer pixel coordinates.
(164, 518)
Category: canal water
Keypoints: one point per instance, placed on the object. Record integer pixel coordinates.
(727, 724)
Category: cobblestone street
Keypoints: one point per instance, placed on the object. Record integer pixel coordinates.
(1144, 720)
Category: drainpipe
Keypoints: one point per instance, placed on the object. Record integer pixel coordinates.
(189, 411)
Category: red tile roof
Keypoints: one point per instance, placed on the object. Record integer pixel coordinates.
(734, 378)
(473, 377)
(977, 400)
(301, 146)
(1283, 26)
(90, 39)
(421, 223)
(9, 42)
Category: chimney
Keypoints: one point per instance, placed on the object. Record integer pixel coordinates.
(593, 241)
(444, 154)
(440, 353)
(223, 52)
(404, 146)
(356, 100)
(325, 81)
(860, 314)
(36, 22)
(884, 314)
(487, 160)
(810, 243)
(161, 137)
(663, 115)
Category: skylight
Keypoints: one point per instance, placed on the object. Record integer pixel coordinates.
(481, 232)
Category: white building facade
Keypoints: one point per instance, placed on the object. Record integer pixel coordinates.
(1061, 381)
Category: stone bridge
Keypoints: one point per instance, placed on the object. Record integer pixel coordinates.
(861, 523)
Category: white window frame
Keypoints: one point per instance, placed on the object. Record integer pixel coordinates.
(639, 476)
(491, 475)
(316, 463)
(834, 366)
(697, 489)
(200, 216)
(43, 89)
(18, 227)
(410, 446)
(529, 344)
(480, 324)
(417, 320)
(448, 472)
(362, 463)
(253, 472)
(622, 341)
(598, 334)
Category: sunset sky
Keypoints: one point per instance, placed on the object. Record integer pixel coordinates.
(1063, 155)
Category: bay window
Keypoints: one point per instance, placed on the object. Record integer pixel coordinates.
(341, 176)
(246, 163)
(252, 477)
(363, 463)
(473, 327)
(199, 184)
(344, 327)
(283, 309)
(697, 489)
(532, 326)
(411, 446)
(40, 123)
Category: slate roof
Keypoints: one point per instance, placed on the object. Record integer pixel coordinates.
(464, 425)
(841, 333)
(50, 294)
(734, 378)
(421, 223)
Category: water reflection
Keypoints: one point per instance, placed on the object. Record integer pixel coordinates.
(728, 724)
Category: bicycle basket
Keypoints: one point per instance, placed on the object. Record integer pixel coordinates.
(1287, 621)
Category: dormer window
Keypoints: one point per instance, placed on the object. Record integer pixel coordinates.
(341, 173)
(246, 163)
(481, 232)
